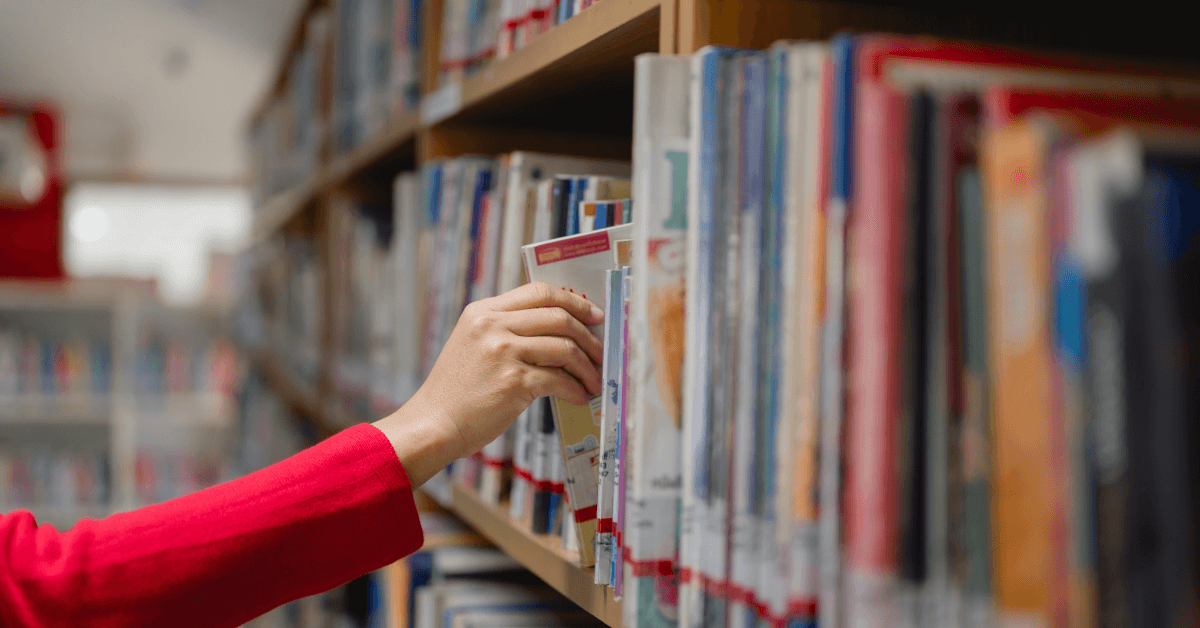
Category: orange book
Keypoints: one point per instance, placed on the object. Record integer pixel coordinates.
(1016, 191)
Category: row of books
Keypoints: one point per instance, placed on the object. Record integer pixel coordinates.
(474, 32)
(278, 306)
(42, 475)
(171, 364)
(44, 365)
(285, 142)
(922, 288)
(373, 73)
(378, 67)
(161, 475)
(400, 301)
(929, 285)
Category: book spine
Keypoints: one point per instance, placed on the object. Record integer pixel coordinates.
(1021, 369)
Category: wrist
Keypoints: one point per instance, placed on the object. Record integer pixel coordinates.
(422, 440)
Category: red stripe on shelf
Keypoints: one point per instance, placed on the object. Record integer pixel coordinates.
(604, 526)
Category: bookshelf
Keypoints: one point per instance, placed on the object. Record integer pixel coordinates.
(570, 91)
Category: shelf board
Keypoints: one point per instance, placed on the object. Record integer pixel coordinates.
(544, 555)
(293, 393)
(576, 60)
(56, 410)
(182, 409)
(280, 208)
(374, 151)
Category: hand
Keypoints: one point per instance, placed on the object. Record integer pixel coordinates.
(504, 353)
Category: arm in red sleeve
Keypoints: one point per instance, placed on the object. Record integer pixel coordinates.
(221, 556)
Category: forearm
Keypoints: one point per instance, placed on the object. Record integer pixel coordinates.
(221, 556)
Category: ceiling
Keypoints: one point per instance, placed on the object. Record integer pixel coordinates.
(150, 89)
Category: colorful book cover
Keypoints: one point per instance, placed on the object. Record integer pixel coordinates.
(831, 538)
(613, 329)
(744, 560)
(577, 263)
(623, 464)
(1015, 189)
(705, 195)
(656, 329)
(807, 154)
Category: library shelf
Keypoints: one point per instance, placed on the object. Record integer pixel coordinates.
(543, 555)
(601, 40)
(300, 397)
(277, 211)
(56, 410)
(384, 147)
(182, 409)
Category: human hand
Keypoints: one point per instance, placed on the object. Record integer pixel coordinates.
(504, 353)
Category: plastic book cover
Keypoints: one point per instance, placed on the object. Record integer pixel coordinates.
(624, 464)
(742, 570)
(577, 263)
(1098, 182)
(613, 327)
(705, 181)
(657, 328)
(542, 498)
(840, 143)
(1073, 585)
(1022, 363)
(1158, 230)
(809, 78)
(773, 569)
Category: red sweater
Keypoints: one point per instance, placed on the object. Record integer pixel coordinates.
(222, 556)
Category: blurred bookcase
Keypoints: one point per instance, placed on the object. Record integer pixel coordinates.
(568, 91)
(104, 396)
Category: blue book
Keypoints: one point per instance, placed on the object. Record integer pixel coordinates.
(578, 187)
(483, 184)
(841, 141)
(602, 212)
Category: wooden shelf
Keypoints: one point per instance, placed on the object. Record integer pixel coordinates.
(541, 554)
(300, 397)
(375, 151)
(276, 212)
(56, 410)
(600, 39)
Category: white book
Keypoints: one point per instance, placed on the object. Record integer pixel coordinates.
(613, 329)
(746, 248)
(578, 263)
(656, 329)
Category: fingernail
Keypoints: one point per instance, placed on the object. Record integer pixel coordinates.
(597, 312)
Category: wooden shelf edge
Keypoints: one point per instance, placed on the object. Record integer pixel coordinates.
(553, 47)
(292, 392)
(271, 216)
(541, 554)
(396, 134)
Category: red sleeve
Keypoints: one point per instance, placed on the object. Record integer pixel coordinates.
(222, 556)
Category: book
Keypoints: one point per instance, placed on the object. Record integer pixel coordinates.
(577, 263)
(613, 328)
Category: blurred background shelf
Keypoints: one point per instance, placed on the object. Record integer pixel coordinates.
(56, 410)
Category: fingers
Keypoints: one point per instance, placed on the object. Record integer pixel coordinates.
(561, 352)
(555, 321)
(535, 295)
(546, 381)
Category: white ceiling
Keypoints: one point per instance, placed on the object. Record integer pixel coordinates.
(149, 88)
